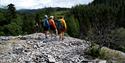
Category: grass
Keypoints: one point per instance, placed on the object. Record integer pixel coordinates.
(107, 54)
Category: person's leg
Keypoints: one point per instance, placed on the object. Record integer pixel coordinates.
(51, 33)
(46, 34)
(59, 33)
(62, 35)
(56, 32)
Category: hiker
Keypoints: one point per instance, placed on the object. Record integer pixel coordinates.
(62, 27)
(46, 26)
(56, 23)
(36, 27)
(52, 25)
(37, 24)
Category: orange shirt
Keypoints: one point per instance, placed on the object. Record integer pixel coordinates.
(52, 23)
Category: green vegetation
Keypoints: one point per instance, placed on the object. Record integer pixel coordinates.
(73, 26)
(99, 20)
(106, 53)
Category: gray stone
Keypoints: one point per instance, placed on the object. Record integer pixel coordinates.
(34, 48)
(102, 61)
(51, 58)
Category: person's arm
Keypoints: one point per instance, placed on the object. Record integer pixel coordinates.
(54, 24)
(64, 23)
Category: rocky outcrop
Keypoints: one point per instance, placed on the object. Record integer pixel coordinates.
(35, 48)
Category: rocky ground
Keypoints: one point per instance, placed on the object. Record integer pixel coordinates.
(34, 48)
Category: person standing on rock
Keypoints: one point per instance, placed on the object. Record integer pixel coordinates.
(62, 28)
(37, 23)
(52, 25)
(56, 23)
(46, 26)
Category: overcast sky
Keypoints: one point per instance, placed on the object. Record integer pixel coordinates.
(35, 4)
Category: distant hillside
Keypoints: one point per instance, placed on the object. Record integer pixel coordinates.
(39, 10)
(2, 10)
(116, 3)
(28, 10)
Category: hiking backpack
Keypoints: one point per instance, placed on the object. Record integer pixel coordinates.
(46, 23)
(60, 24)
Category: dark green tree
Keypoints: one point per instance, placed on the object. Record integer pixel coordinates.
(11, 10)
(28, 24)
(73, 28)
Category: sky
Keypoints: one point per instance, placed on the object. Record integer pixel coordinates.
(35, 4)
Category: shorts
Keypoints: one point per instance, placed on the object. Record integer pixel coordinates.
(46, 28)
(52, 28)
(61, 30)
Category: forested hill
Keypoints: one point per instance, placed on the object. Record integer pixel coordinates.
(27, 10)
(42, 9)
(2, 10)
(109, 2)
(103, 22)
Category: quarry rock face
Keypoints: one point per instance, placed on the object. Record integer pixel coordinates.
(34, 48)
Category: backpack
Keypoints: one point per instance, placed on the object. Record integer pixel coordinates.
(46, 23)
(59, 24)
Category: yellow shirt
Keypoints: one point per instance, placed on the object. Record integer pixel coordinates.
(64, 23)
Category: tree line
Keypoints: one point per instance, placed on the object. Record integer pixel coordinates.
(102, 22)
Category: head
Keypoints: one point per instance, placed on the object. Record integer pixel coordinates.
(45, 16)
(51, 17)
(61, 17)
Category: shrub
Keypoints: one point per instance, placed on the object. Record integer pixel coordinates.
(119, 39)
(2, 33)
(12, 29)
(72, 26)
(105, 53)
(94, 51)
